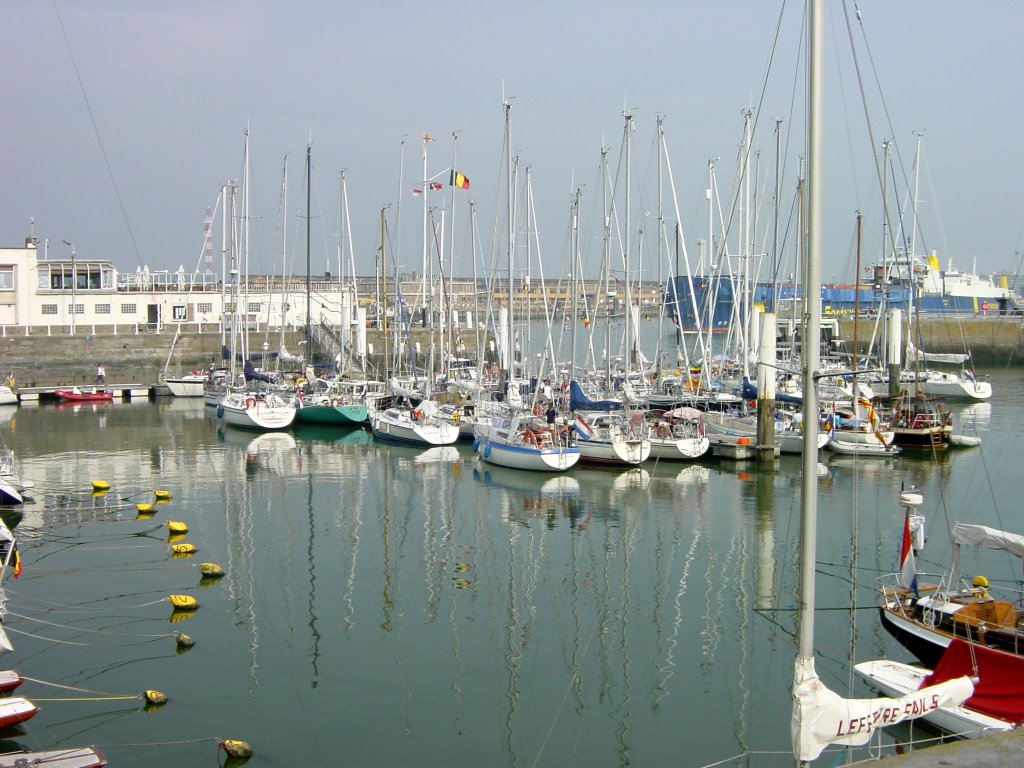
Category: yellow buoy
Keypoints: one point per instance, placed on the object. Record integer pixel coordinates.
(162, 494)
(144, 507)
(176, 526)
(239, 750)
(155, 697)
(184, 548)
(211, 570)
(100, 485)
(183, 602)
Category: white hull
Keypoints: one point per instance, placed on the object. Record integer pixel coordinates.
(187, 386)
(499, 443)
(249, 412)
(7, 395)
(681, 449)
(399, 426)
(953, 385)
(895, 679)
(839, 444)
(628, 451)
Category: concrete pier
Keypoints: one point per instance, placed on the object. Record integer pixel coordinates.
(996, 751)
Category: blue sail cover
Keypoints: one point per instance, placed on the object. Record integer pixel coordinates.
(252, 375)
(750, 393)
(580, 402)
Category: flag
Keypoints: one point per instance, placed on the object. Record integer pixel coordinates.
(417, 192)
(427, 137)
(908, 568)
(437, 186)
(583, 429)
(459, 180)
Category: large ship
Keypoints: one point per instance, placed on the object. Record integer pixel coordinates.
(916, 284)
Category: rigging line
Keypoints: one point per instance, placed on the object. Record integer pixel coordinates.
(96, 131)
(86, 629)
(76, 643)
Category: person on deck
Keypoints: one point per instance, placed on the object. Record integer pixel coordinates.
(101, 374)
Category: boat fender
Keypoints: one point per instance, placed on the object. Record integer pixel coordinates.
(487, 451)
(211, 570)
(100, 485)
(155, 697)
(183, 602)
(476, 445)
(184, 548)
(220, 411)
(176, 527)
(236, 749)
(184, 641)
(250, 402)
(161, 494)
(143, 507)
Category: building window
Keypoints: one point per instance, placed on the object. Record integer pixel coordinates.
(102, 309)
(178, 313)
(127, 309)
(205, 306)
(78, 309)
(254, 306)
(49, 309)
(6, 278)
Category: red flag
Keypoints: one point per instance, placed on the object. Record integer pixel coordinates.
(436, 186)
(417, 192)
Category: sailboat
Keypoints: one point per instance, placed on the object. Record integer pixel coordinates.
(257, 408)
(820, 716)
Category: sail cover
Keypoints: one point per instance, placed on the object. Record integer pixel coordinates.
(580, 402)
(981, 535)
(997, 692)
(822, 717)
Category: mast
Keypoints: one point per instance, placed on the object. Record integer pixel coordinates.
(812, 324)
(309, 217)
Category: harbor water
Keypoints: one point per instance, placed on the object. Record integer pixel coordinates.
(388, 606)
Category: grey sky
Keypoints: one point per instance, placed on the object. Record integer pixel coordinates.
(172, 86)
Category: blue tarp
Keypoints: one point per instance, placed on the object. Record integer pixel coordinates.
(580, 402)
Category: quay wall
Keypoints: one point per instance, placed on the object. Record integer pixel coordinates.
(991, 340)
(56, 359)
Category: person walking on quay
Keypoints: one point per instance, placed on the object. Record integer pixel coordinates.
(101, 375)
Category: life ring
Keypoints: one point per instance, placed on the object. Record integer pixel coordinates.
(537, 410)
(529, 437)
(250, 402)
(418, 415)
(662, 430)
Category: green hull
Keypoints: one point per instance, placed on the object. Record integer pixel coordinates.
(345, 415)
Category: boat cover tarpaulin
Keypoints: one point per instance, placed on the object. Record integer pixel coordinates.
(998, 691)
(251, 374)
(990, 538)
(822, 717)
(580, 402)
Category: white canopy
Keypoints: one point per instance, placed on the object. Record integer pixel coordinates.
(990, 538)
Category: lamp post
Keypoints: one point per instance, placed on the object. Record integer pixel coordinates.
(74, 283)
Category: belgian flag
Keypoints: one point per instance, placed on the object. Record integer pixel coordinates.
(459, 180)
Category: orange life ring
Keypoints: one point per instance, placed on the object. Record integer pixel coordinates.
(529, 437)
(250, 402)
(537, 410)
(662, 430)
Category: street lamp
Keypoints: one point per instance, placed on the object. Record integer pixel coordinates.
(74, 283)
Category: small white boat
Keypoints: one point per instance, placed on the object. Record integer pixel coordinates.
(613, 439)
(523, 442)
(7, 395)
(839, 444)
(677, 434)
(250, 410)
(412, 426)
(964, 441)
(14, 710)
(895, 679)
(963, 385)
(72, 757)
(191, 384)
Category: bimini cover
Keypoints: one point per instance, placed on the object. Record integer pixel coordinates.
(990, 538)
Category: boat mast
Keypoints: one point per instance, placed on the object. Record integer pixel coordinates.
(309, 218)
(811, 351)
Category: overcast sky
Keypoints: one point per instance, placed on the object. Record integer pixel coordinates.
(122, 119)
